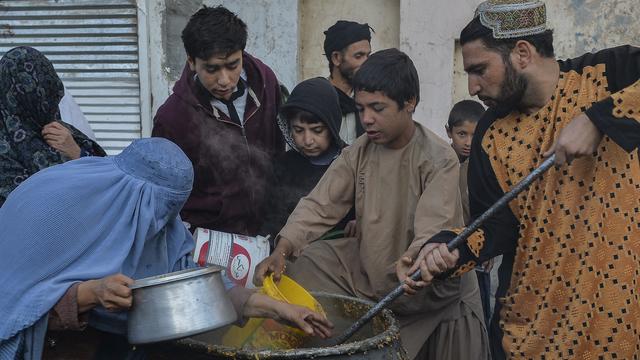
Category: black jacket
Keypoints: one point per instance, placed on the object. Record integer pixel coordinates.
(294, 174)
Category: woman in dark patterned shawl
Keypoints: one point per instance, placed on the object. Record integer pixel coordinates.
(32, 135)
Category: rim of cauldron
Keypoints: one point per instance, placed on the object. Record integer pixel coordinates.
(174, 277)
(389, 336)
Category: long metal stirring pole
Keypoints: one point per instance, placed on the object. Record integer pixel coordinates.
(453, 244)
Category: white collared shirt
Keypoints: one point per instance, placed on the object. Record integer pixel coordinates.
(240, 103)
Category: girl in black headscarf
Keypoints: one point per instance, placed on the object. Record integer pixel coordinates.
(32, 136)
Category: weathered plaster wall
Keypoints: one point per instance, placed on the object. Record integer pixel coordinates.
(158, 68)
(273, 38)
(428, 29)
(273, 33)
(582, 26)
(176, 16)
(317, 16)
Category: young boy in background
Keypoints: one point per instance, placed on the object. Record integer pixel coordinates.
(310, 123)
(461, 126)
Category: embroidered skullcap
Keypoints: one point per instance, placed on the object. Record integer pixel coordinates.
(513, 18)
(344, 33)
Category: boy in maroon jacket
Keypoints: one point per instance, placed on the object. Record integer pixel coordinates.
(222, 114)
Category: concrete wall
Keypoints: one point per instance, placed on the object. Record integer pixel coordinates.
(160, 77)
(175, 18)
(582, 26)
(428, 29)
(273, 33)
(317, 16)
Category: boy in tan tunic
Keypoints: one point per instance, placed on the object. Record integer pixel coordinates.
(404, 182)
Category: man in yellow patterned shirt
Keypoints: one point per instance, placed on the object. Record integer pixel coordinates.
(571, 242)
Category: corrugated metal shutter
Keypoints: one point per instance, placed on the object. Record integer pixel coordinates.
(94, 48)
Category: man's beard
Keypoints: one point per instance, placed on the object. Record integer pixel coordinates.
(511, 91)
(347, 73)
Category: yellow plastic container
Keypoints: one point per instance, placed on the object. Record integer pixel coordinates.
(291, 292)
(269, 334)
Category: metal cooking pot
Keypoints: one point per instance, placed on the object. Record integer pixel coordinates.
(178, 304)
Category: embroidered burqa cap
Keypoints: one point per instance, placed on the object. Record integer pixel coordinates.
(513, 18)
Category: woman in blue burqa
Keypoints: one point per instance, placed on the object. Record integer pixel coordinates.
(32, 135)
(75, 235)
